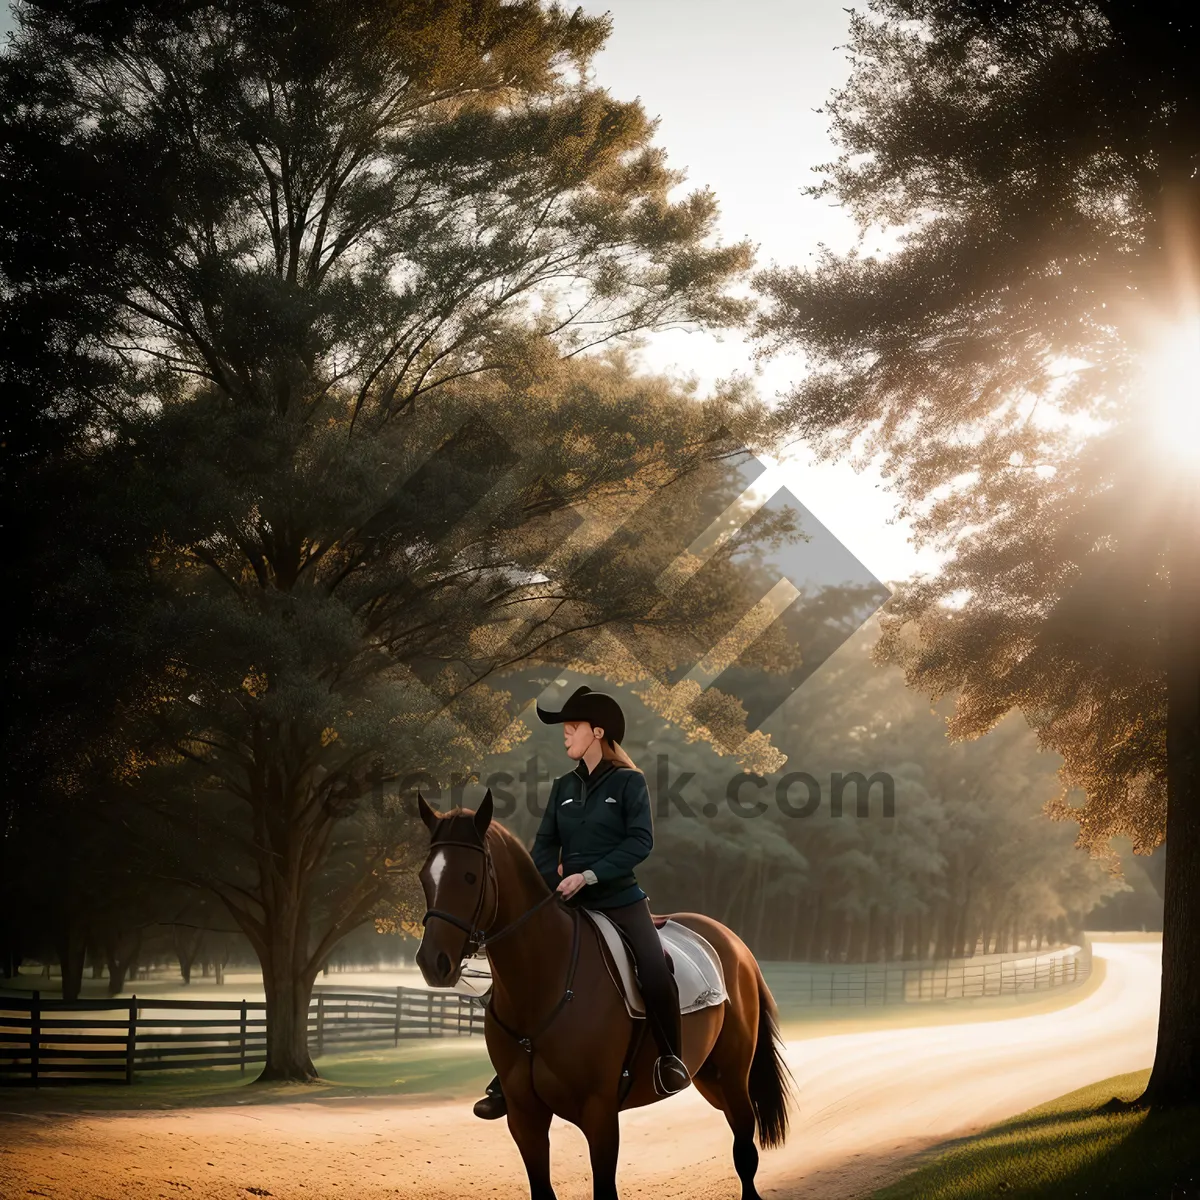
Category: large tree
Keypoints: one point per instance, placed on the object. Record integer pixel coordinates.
(1038, 166)
(365, 421)
(79, 203)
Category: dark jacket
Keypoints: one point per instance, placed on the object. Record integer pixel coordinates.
(600, 822)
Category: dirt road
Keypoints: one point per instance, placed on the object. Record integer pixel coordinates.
(868, 1098)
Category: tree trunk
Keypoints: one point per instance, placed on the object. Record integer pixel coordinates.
(288, 995)
(822, 938)
(791, 946)
(121, 953)
(962, 925)
(70, 959)
(874, 946)
(760, 894)
(808, 950)
(941, 943)
(856, 938)
(1175, 1079)
(187, 946)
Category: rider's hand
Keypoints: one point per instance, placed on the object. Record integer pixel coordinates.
(570, 885)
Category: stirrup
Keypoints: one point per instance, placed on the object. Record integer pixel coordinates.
(670, 1075)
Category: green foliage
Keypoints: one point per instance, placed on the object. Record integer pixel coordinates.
(354, 419)
(1035, 163)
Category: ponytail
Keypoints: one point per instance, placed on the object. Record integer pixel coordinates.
(611, 752)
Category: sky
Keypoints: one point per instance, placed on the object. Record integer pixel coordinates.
(735, 88)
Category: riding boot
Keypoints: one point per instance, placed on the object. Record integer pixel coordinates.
(493, 1104)
(660, 994)
(662, 1010)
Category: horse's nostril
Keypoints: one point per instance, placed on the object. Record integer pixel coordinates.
(443, 964)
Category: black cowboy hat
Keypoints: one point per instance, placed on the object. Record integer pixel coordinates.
(597, 708)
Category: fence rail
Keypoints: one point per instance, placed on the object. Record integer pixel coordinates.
(60, 1041)
(109, 1041)
(812, 985)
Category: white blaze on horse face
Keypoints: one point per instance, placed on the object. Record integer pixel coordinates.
(437, 865)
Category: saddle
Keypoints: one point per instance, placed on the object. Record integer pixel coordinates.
(695, 964)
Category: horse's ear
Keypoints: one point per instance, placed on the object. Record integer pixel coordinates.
(483, 814)
(427, 814)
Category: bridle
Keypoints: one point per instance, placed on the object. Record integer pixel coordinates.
(478, 937)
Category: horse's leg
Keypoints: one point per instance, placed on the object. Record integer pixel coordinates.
(740, 1114)
(724, 1081)
(529, 1124)
(603, 1132)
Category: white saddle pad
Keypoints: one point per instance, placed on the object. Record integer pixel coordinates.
(698, 972)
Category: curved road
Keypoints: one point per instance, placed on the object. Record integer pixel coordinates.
(867, 1099)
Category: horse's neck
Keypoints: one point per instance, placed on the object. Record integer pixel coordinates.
(535, 953)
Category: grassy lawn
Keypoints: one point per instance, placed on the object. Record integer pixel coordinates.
(437, 1068)
(1066, 1148)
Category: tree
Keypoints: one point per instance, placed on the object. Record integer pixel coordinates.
(365, 413)
(80, 201)
(1037, 163)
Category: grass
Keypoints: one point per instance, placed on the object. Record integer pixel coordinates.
(1065, 1149)
(438, 1068)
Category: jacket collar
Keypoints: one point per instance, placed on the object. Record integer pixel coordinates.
(603, 768)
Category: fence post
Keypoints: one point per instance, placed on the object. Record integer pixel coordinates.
(429, 1013)
(320, 1024)
(243, 1036)
(35, 1036)
(399, 1001)
(131, 1042)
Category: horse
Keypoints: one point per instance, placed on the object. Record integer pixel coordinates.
(556, 1028)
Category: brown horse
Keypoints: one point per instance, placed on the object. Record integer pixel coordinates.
(557, 1030)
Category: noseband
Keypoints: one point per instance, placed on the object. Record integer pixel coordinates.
(479, 938)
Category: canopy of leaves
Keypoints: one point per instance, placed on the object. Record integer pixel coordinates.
(1035, 163)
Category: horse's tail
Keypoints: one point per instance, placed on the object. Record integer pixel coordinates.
(771, 1081)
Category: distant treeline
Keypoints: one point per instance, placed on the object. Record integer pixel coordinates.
(967, 863)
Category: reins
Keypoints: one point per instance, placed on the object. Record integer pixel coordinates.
(478, 938)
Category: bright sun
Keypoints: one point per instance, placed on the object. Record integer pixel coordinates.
(1173, 391)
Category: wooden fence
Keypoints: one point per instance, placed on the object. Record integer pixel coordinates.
(54, 1041)
(109, 1041)
(803, 985)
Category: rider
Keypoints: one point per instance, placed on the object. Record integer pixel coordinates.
(598, 818)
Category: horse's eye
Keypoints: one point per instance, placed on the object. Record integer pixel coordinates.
(470, 876)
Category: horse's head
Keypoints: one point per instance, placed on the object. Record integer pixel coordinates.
(460, 890)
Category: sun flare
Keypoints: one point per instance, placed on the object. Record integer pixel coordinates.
(1173, 392)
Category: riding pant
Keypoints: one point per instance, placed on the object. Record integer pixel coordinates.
(659, 989)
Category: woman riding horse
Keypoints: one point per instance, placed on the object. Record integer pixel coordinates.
(598, 819)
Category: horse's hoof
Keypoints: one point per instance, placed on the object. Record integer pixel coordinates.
(490, 1107)
(670, 1075)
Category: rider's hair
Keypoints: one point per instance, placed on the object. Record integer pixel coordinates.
(612, 751)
